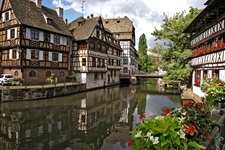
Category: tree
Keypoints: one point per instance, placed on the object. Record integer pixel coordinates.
(177, 53)
(144, 61)
(156, 56)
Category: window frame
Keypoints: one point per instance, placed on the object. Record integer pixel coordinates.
(34, 34)
(55, 56)
(34, 54)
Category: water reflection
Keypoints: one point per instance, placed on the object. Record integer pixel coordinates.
(99, 119)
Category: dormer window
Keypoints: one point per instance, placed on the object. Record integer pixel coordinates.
(49, 21)
(6, 16)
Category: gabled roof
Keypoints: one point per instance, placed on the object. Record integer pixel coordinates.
(83, 28)
(28, 13)
(122, 26)
(118, 24)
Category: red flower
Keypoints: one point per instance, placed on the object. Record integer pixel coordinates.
(142, 116)
(166, 111)
(130, 143)
(221, 84)
(186, 104)
(191, 130)
(201, 106)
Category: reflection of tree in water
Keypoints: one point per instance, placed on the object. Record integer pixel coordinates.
(175, 99)
(147, 85)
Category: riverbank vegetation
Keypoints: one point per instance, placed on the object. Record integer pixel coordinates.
(172, 52)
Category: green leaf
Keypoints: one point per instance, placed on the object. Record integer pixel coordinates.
(196, 145)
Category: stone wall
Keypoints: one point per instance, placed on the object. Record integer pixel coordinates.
(16, 94)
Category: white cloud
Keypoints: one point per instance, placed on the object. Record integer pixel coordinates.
(145, 14)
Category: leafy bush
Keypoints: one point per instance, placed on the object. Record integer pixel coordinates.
(179, 129)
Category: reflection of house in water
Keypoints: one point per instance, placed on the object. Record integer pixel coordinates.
(86, 118)
(129, 103)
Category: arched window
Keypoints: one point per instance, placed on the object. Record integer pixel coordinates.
(125, 70)
(62, 74)
(32, 74)
(48, 74)
(16, 73)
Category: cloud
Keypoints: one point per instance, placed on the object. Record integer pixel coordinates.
(145, 14)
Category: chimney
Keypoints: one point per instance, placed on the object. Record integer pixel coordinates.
(38, 3)
(59, 11)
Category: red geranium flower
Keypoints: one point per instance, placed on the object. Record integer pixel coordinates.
(130, 143)
(142, 116)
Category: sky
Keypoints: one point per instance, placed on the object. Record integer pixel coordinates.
(146, 15)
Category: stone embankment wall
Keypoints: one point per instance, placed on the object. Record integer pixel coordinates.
(17, 93)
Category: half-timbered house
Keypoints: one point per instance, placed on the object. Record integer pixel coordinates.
(207, 32)
(96, 54)
(34, 41)
(124, 31)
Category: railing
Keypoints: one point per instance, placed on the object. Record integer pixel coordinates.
(217, 132)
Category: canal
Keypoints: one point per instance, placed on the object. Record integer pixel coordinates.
(94, 120)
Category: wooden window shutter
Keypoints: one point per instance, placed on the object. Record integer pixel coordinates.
(3, 17)
(61, 40)
(9, 15)
(60, 57)
(28, 56)
(16, 33)
(27, 33)
(50, 56)
(41, 36)
(52, 38)
(17, 54)
(8, 34)
(10, 54)
(40, 55)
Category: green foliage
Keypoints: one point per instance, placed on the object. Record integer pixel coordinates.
(156, 56)
(215, 94)
(176, 56)
(179, 129)
(144, 61)
(158, 134)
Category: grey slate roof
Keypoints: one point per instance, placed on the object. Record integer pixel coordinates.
(29, 14)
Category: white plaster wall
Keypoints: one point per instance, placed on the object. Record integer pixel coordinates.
(222, 75)
(94, 83)
(209, 73)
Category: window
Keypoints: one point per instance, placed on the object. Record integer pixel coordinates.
(56, 39)
(34, 54)
(12, 33)
(16, 73)
(98, 34)
(49, 21)
(92, 46)
(32, 74)
(48, 74)
(55, 57)
(7, 16)
(83, 61)
(96, 75)
(93, 62)
(125, 61)
(125, 70)
(34, 34)
(115, 73)
(14, 54)
(62, 74)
